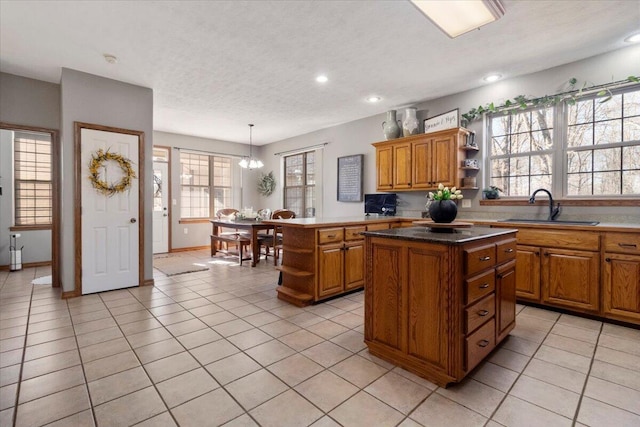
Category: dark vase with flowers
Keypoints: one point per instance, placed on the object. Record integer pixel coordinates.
(443, 211)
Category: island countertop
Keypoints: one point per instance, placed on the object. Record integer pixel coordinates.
(456, 237)
(335, 222)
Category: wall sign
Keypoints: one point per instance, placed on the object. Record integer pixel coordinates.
(350, 178)
(444, 121)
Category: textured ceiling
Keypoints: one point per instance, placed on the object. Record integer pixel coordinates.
(215, 66)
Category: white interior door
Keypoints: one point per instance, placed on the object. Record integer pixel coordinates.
(160, 207)
(110, 251)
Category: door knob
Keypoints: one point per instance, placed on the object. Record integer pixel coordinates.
(132, 220)
(165, 215)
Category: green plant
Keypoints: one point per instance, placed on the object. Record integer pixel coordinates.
(570, 95)
(444, 193)
(492, 192)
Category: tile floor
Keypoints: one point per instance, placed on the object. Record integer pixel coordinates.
(218, 348)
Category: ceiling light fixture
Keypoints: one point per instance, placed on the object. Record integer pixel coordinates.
(373, 99)
(250, 162)
(492, 78)
(456, 17)
(633, 38)
(322, 79)
(111, 59)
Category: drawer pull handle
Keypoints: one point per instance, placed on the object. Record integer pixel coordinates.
(483, 313)
(484, 258)
(484, 286)
(483, 343)
(627, 245)
(331, 236)
(508, 251)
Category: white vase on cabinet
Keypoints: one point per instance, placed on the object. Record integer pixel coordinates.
(410, 122)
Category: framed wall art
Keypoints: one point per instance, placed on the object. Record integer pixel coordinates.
(448, 120)
(350, 178)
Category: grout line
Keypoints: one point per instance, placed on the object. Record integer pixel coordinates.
(24, 351)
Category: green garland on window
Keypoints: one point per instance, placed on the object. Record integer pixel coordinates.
(570, 95)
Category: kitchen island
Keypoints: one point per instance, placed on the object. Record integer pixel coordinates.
(324, 257)
(437, 304)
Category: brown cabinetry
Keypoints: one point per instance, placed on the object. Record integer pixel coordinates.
(421, 162)
(621, 276)
(438, 309)
(340, 259)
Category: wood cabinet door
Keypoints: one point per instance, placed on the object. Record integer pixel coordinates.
(528, 273)
(402, 170)
(354, 265)
(384, 167)
(444, 162)
(505, 299)
(622, 286)
(427, 283)
(330, 269)
(421, 158)
(384, 296)
(571, 278)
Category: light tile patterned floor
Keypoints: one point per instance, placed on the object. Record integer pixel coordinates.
(218, 348)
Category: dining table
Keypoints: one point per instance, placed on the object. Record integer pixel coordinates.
(251, 226)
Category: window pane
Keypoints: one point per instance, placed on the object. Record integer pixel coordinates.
(519, 166)
(631, 103)
(499, 145)
(579, 184)
(632, 129)
(194, 178)
(631, 157)
(542, 119)
(294, 170)
(32, 175)
(518, 186)
(500, 124)
(542, 165)
(521, 122)
(539, 181)
(631, 182)
(311, 168)
(608, 132)
(293, 200)
(580, 135)
(611, 109)
(580, 161)
(520, 143)
(310, 202)
(581, 112)
(606, 183)
(607, 160)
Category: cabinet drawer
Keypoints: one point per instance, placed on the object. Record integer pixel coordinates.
(376, 227)
(506, 250)
(479, 258)
(480, 312)
(624, 243)
(583, 240)
(480, 343)
(479, 286)
(330, 235)
(353, 233)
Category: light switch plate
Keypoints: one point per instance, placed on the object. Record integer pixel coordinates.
(466, 203)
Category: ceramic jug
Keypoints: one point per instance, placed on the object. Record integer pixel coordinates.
(390, 126)
(410, 122)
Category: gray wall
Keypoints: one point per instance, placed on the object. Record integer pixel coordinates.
(198, 234)
(92, 99)
(24, 102)
(356, 138)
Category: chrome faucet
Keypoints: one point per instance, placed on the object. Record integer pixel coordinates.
(553, 212)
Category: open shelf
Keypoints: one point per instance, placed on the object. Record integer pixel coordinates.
(469, 168)
(470, 148)
(294, 271)
(297, 250)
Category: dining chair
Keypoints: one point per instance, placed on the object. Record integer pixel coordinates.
(231, 236)
(274, 239)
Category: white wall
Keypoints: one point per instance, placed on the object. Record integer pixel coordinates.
(93, 99)
(356, 138)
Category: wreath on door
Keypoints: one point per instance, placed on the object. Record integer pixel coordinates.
(98, 161)
(267, 184)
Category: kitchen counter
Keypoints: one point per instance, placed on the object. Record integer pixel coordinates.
(336, 221)
(424, 234)
(603, 226)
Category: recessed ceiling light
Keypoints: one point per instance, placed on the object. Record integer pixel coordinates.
(492, 78)
(458, 17)
(322, 78)
(373, 99)
(634, 38)
(111, 59)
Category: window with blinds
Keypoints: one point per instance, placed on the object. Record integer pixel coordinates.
(32, 179)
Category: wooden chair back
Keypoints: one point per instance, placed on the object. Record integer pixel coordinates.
(283, 214)
(226, 213)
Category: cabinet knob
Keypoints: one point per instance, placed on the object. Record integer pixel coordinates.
(483, 343)
(608, 259)
(484, 286)
(508, 251)
(483, 313)
(546, 254)
(537, 253)
(484, 258)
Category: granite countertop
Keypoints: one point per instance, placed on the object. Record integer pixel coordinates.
(337, 221)
(454, 237)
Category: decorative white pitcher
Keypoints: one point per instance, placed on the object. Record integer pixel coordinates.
(410, 122)
(390, 126)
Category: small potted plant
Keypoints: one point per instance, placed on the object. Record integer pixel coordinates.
(492, 192)
(441, 205)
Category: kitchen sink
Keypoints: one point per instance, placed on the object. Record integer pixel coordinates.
(546, 221)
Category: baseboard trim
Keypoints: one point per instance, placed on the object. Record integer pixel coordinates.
(148, 282)
(193, 248)
(70, 294)
(33, 264)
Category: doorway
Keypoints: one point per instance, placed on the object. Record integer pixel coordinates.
(42, 197)
(161, 198)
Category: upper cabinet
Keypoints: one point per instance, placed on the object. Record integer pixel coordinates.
(421, 162)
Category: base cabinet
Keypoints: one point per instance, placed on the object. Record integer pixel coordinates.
(437, 309)
(528, 273)
(570, 278)
(621, 276)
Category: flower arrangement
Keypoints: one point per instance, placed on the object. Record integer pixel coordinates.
(444, 193)
(97, 162)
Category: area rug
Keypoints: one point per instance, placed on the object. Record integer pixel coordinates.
(173, 264)
(44, 280)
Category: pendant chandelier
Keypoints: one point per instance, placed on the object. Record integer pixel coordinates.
(250, 162)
